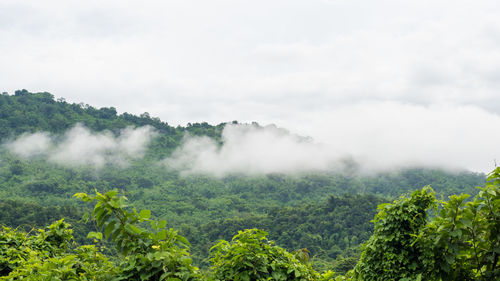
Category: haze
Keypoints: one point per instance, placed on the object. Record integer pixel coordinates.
(392, 83)
(79, 146)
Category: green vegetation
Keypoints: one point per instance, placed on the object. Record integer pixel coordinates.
(250, 256)
(26, 112)
(49, 255)
(462, 242)
(322, 212)
(326, 215)
(330, 230)
(158, 254)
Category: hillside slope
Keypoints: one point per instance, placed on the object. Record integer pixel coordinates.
(295, 208)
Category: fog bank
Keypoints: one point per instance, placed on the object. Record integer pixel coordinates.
(375, 137)
(250, 149)
(80, 146)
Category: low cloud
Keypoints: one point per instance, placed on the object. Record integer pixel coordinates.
(375, 137)
(252, 60)
(250, 149)
(80, 146)
(29, 145)
(389, 135)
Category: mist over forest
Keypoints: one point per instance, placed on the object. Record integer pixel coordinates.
(236, 148)
(206, 181)
(321, 140)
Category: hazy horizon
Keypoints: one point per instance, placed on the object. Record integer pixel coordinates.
(246, 149)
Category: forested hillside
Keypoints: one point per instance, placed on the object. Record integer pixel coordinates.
(327, 212)
(460, 242)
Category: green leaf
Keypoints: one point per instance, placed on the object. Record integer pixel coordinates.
(133, 228)
(111, 193)
(182, 239)
(98, 214)
(145, 214)
(466, 222)
(109, 228)
(94, 235)
(162, 224)
(84, 197)
(162, 235)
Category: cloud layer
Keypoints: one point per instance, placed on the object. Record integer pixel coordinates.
(436, 136)
(215, 61)
(378, 136)
(390, 82)
(80, 146)
(249, 149)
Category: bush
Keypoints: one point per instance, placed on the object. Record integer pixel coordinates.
(250, 256)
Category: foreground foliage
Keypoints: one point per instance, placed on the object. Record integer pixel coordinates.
(156, 254)
(390, 252)
(459, 241)
(331, 230)
(47, 255)
(462, 241)
(250, 256)
(147, 252)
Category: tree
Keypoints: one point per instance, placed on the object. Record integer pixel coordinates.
(250, 256)
(160, 254)
(462, 242)
(390, 253)
(47, 256)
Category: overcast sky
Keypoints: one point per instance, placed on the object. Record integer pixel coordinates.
(414, 78)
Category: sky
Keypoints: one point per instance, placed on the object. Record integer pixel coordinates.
(389, 82)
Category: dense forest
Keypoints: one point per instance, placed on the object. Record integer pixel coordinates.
(315, 221)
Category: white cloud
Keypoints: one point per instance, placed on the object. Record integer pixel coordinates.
(133, 141)
(248, 149)
(264, 61)
(80, 146)
(379, 136)
(386, 135)
(30, 145)
(170, 55)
